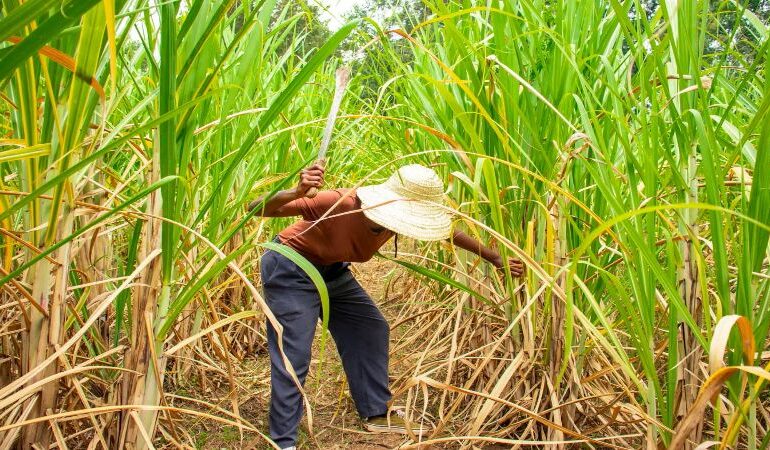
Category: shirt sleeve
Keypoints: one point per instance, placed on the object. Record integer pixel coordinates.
(314, 208)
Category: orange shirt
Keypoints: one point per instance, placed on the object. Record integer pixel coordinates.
(339, 237)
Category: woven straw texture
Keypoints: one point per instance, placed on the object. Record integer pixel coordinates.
(410, 203)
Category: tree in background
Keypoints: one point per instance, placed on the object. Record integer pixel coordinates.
(310, 32)
(405, 14)
(372, 67)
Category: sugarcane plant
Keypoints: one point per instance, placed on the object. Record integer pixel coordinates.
(122, 188)
(618, 149)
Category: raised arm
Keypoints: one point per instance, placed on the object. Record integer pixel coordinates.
(279, 205)
(470, 244)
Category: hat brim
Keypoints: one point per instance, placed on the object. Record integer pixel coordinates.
(418, 219)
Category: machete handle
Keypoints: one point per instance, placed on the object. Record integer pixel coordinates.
(312, 192)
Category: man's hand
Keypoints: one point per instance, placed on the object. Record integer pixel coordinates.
(466, 242)
(517, 266)
(281, 204)
(312, 177)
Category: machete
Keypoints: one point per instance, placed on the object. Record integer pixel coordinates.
(342, 78)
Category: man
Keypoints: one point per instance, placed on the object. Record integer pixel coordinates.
(339, 227)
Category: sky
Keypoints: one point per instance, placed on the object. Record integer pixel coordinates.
(335, 9)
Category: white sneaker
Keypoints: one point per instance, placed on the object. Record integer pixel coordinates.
(290, 448)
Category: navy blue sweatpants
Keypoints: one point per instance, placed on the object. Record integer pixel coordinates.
(357, 326)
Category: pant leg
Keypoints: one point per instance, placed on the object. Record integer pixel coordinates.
(362, 336)
(296, 305)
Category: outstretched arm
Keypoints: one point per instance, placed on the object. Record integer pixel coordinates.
(470, 244)
(278, 205)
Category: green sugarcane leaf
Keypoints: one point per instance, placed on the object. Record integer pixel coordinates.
(211, 27)
(188, 293)
(112, 144)
(441, 278)
(22, 153)
(43, 34)
(123, 300)
(79, 109)
(17, 18)
(167, 135)
(315, 277)
(278, 105)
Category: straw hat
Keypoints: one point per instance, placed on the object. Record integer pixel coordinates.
(410, 203)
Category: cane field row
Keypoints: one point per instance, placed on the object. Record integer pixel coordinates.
(620, 148)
